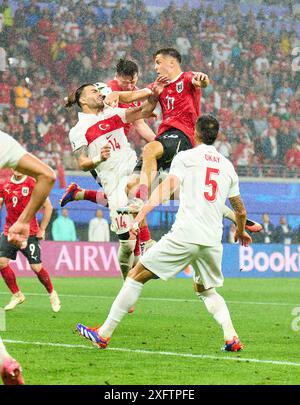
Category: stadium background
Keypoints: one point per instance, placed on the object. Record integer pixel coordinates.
(251, 52)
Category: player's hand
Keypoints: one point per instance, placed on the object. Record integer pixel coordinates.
(244, 238)
(105, 151)
(18, 234)
(159, 85)
(112, 99)
(134, 229)
(41, 234)
(200, 80)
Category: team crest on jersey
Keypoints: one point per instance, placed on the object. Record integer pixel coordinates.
(179, 87)
(25, 191)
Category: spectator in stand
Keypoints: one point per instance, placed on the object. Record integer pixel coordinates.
(223, 146)
(5, 90)
(283, 233)
(99, 228)
(292, 157)
(267, 234)
(63, 228)
(22, 96)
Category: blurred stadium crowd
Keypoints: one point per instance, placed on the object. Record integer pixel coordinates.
(46, 49)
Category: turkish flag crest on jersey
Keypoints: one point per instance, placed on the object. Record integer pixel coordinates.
(179, 87)
(25, 191)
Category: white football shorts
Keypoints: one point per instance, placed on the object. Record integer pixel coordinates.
(169, 256)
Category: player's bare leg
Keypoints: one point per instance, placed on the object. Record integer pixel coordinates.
(10, 370)
(144, 232)
(251, 225)
(11, 282)
(216, 306)
(127, 297)
(44, 278)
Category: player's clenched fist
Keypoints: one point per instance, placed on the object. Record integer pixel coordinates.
(18, 234)
(105, 152)
(200, 79)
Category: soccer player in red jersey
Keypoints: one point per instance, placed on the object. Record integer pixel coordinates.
(15, 193)
(127, 74)
(180, 104)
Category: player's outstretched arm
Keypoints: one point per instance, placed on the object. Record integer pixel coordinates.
(48, 209)
(144, 130)
(45, 179)
(160, 195)
(86, 163)
(240, 215)
(127, 96)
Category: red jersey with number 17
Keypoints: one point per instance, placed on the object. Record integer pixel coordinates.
(180, 104)
(16, 196)
(114, 85)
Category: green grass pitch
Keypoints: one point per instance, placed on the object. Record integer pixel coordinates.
(169, 339)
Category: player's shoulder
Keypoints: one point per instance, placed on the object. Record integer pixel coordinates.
(188, 75)
(114, 85)
(30, 181)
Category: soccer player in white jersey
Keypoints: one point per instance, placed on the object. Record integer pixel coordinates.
(13, 155)
(206, 179)
(100, 145)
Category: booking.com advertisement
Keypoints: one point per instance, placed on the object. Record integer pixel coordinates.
(83, 259)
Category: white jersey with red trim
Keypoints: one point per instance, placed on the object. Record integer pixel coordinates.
(96, 130)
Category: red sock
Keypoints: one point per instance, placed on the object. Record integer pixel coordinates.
(44, 278)
(10, 279)
(144, 234)
(142, 192)
(97, 197)
(137, 249)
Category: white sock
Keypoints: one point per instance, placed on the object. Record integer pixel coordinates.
(127, 297)
(229, 214)
(126, 255)
(3, 352)
(216, 306)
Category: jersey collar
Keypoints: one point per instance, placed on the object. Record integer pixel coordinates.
(18, 181)
(176, 78)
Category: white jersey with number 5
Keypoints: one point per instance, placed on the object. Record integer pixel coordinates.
(207, 179)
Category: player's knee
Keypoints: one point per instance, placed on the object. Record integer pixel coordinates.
(3, 262)
(152, 150)
(36, 267)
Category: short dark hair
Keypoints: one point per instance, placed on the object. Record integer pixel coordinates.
(207, 126)
(168, 52)
(127, 68)
(74, 97)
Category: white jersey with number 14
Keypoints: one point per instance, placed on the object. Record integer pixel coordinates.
(207, 179)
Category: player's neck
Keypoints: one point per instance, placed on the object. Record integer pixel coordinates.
(88, 110)
(175, 74)
(18, 179)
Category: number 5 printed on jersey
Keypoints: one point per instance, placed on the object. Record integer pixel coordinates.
(211, 195)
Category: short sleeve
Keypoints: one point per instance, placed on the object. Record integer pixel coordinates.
(77, 138)
(177, 167)
(121, 113)
(234, 190)
(11, 151)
